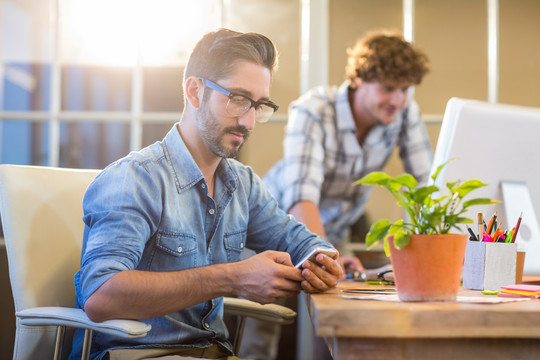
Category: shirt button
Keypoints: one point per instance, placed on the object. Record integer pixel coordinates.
(211, 211)
(180, 249)
(203, 186)
(241, 245)
(206, 325)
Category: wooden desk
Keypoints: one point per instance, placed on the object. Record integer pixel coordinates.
(366, 329)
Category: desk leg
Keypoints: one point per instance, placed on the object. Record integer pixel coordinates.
(309, 347)
(304, 347)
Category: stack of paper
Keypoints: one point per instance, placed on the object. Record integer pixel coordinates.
(520, 290)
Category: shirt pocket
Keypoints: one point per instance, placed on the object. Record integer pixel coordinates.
(178, 251)
(234, 244)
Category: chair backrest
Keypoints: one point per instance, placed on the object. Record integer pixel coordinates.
(41, 211)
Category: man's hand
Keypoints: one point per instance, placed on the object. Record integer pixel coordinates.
(267, 276)
(321, 278)
(351, 264)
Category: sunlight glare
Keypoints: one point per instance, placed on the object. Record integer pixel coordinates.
(115, 32)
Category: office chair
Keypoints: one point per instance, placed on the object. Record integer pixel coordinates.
(41, 211)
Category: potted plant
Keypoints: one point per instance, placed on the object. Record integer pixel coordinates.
(427, 258)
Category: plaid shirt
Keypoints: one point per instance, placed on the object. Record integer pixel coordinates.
(322, 157)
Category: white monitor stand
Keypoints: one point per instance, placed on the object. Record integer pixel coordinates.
(516, 201)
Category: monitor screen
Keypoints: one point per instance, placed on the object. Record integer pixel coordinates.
(499, 145)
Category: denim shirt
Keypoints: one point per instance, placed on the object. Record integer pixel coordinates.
(152, 211)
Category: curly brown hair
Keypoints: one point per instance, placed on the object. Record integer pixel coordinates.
(386, 56)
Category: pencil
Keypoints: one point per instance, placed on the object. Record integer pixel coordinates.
(510, 235)
(517, 227)
(490, 224)
(498, 233)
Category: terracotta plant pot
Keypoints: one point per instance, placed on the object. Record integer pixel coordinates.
(429, 267)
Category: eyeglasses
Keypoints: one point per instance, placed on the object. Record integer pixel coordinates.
(239, 104)
(386, 277)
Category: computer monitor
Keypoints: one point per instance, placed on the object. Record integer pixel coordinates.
(500, 145)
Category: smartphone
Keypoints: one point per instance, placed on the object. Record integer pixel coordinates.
(313, 253)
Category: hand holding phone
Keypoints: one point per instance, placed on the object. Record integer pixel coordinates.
(313, 254)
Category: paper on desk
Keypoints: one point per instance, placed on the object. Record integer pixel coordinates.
(368, 290)
(460, 299)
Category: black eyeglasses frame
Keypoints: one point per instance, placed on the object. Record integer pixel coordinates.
(230, 95)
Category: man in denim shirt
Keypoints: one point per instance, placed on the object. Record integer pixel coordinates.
(165, 225)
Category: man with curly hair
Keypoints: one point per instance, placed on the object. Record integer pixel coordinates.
(336, 135)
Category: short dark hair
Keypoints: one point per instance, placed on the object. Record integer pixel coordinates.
(216, 53)
(386, 56)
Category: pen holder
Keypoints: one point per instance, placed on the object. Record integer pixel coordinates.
(488, 266)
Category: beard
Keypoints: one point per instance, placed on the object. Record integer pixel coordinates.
(212, 133)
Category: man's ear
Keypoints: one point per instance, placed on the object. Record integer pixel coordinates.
(194, 91)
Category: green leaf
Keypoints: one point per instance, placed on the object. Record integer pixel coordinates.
(480, 201)
(386, 247)
(420, 194)
(439, 168)
(377, 232)
(374, 178)
(407, 180)
(395, 227)
(434, 219)
(393, 186)
(469, 186)
(452, 185)
(401, 239)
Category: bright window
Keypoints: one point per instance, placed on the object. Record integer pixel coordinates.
(83, 82)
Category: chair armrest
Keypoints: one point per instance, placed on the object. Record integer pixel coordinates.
(71, 317)
(273, 313)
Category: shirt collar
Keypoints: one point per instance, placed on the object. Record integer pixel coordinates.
(345, 120)
(184, 167)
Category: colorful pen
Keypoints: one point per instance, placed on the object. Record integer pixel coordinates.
(490, 224)
(517, 227)
(511, 235)
(496, 235)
